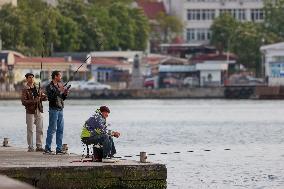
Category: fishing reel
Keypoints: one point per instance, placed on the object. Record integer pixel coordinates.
(35, 92)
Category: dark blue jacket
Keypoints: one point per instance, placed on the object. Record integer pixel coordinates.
(96, 124)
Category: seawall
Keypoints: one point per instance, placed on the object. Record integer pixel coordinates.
(68, 172)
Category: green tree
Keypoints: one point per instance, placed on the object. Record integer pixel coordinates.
(246, 45)
(274, 14)
(90, 35)
(109, 27)
(34, 26)
(11, 27)
(68, 32)
(121, 27)
(170, 26)
(37, 20)
(22, 27)
(126, 27)
(141, 29)
(107, 3)
(242, 38)
(223, 29)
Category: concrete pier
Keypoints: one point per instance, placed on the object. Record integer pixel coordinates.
(62, 171)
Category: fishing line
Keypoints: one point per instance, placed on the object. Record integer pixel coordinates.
(122, 157)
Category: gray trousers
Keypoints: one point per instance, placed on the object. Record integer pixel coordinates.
(37, 120)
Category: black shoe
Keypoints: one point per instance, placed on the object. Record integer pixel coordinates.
(38, 149)
(47, 151)
(31, 149)
(60, 152)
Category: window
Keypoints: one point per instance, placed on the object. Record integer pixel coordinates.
(238, 14)
(200, 14)
(278, 58)
(190, 34)
(198, 34)
(257, 14)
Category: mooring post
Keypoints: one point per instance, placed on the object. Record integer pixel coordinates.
(65, 148)
(6, 142)
(143, 157)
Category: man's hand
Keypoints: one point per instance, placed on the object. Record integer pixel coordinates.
(116, 134)
(66, 92)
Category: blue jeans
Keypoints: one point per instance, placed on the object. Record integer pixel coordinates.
(56, 124)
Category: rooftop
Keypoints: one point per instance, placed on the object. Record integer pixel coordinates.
(45, 60)
(213, 57)
(151, 8)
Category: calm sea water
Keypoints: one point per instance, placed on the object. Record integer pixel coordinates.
(253, 131)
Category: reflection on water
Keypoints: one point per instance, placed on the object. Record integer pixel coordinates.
(251, 131)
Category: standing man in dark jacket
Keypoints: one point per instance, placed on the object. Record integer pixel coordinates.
(56, 95)
(32, 100)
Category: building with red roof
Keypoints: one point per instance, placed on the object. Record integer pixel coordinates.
(151, 8)
(66, 65)
(113, 71)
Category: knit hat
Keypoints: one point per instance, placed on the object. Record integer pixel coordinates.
(104, 109)
(29, 74)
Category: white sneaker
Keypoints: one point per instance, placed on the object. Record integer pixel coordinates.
(108, 160)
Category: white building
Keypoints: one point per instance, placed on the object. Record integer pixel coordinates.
(273, 59)
(198, 15)
(211, 73)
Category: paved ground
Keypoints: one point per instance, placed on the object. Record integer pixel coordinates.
(18, 157)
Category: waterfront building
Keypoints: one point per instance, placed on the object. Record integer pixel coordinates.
(273, 62)
(205, 70)
(198, 15)
(213, 68)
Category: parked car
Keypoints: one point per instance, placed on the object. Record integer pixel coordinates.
(245, 80)
(93, 85)
(76, 85)
(254, 80)
(171, 82)
(190, 81)
(149, 83)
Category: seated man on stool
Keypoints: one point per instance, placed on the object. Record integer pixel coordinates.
(95, 132)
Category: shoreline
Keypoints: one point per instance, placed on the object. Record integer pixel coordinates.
(227, 92)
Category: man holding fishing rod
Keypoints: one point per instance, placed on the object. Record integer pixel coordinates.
(56, 93)
(32, 100)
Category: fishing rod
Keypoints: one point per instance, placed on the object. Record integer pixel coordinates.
(88, 56)
(40, 73)
(42, 52)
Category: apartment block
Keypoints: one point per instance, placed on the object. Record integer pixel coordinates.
(198, 15)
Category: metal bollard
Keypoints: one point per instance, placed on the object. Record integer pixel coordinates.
(65, 148)
(6, 142)
(143, 157)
